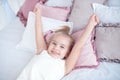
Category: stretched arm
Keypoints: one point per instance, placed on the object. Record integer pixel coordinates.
(40, 42)
(72, 58)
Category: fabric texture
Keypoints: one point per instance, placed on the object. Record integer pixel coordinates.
(43, 67)
(87, 58)
(28, 39)
(107, 43)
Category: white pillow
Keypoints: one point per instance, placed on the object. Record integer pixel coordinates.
(59, 3)
(28, 38)
(107, 14)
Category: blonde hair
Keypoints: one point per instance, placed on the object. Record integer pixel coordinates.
(64, 28)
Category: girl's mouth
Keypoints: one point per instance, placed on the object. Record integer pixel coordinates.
(56, 53)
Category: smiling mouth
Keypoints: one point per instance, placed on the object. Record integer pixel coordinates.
(55, 53)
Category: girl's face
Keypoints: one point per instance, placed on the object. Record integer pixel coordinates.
(59, 46)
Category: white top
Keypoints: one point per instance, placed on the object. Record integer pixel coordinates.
(43, 67)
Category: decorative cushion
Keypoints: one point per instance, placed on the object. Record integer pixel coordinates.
(107, 43)
(54, 12)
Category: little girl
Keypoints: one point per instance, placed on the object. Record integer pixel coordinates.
(50, 62)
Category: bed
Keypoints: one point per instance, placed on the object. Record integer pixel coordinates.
(14, 59)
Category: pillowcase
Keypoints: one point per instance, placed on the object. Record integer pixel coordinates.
(59, 3)
(81, 12)
(87, 56)
(25, 8)
(107, 14)
(54, 12)
(28, 38)
(6, 14)
(107, 43)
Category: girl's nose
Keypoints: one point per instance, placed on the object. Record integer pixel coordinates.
(56, 47)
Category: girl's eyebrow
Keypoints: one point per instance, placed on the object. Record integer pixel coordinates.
(58, 42)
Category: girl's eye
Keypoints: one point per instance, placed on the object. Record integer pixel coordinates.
(54, 43)
(62, 47)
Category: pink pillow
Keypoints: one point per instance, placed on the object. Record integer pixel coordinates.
(87, 56)
(59, 13)
(26, 7)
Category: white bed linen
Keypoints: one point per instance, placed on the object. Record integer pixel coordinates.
(105, 71)
(6, 14)
(12, 60)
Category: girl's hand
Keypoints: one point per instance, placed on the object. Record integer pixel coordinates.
(94, 20)
(37, 10)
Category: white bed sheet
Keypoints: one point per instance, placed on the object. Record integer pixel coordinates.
(105, 71)
(12, 60)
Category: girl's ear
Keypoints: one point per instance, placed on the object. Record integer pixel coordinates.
(64, 29)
